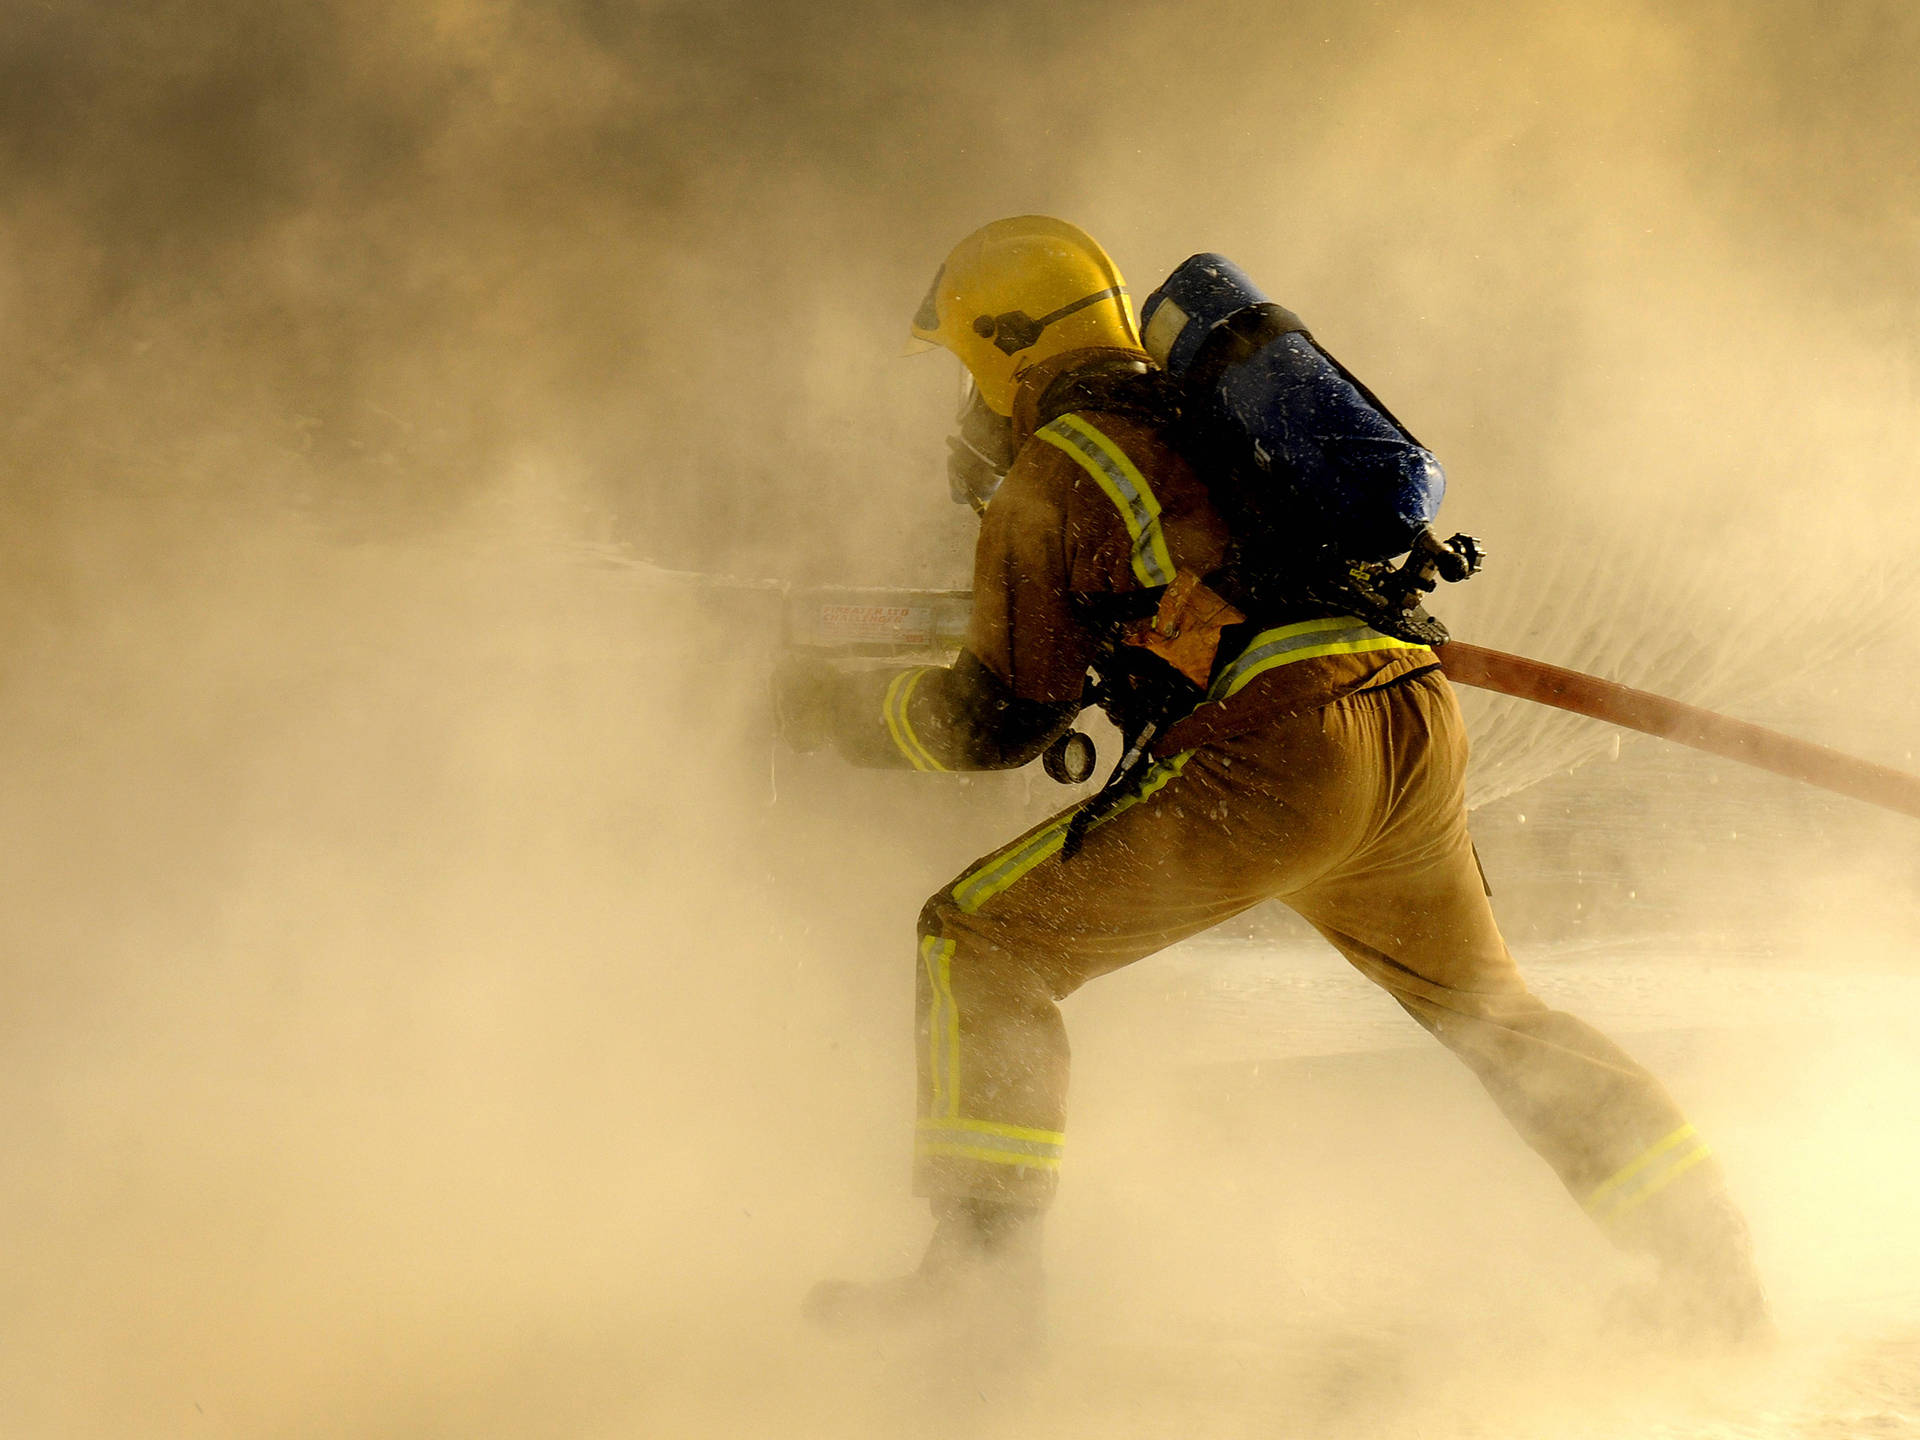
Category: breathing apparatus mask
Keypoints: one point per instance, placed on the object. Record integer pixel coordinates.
(980, 451)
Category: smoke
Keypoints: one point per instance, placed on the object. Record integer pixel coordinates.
(434, 1004)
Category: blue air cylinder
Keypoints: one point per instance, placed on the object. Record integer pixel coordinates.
(1334, 470)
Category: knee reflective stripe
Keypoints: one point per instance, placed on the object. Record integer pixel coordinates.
(894, 709)
(1655, 1168)
(1114, 473)
(943, 1026)
(990, 1141)
(1307, 640)
(1001, 871)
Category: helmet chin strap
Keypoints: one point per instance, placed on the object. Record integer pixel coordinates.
(1016, 330)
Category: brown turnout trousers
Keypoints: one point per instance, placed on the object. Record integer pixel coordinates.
(1353, 814)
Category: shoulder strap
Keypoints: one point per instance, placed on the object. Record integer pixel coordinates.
(1116, 386)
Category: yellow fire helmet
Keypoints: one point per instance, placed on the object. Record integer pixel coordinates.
(1019, 291)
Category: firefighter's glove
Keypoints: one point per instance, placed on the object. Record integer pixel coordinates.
(805, 693)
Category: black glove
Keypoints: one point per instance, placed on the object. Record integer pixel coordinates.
(804, 697)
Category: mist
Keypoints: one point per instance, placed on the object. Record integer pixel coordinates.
(438, 1005)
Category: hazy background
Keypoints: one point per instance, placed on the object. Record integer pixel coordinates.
(421, 1017)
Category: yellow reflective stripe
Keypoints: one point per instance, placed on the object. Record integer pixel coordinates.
(894, 709)
(943, 1025)
(1672, 1173)
(990, 1141)
(995, 1127)
(1304, 640)
(990, 1157)
(1002, 870)
(1314, 652)
(1648, 1173)
(1125, 486)
(1626, 1173)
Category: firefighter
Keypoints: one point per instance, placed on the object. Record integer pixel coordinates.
(1291, 754)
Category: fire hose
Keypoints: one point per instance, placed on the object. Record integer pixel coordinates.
(1688, 725)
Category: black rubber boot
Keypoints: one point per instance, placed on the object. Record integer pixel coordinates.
(980, 1282)
(1707, 1295)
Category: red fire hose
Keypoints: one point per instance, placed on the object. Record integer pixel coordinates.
(1684, 724)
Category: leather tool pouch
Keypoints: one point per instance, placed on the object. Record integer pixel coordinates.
(1185, 630)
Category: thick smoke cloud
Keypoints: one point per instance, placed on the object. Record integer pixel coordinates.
(431, 1007)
